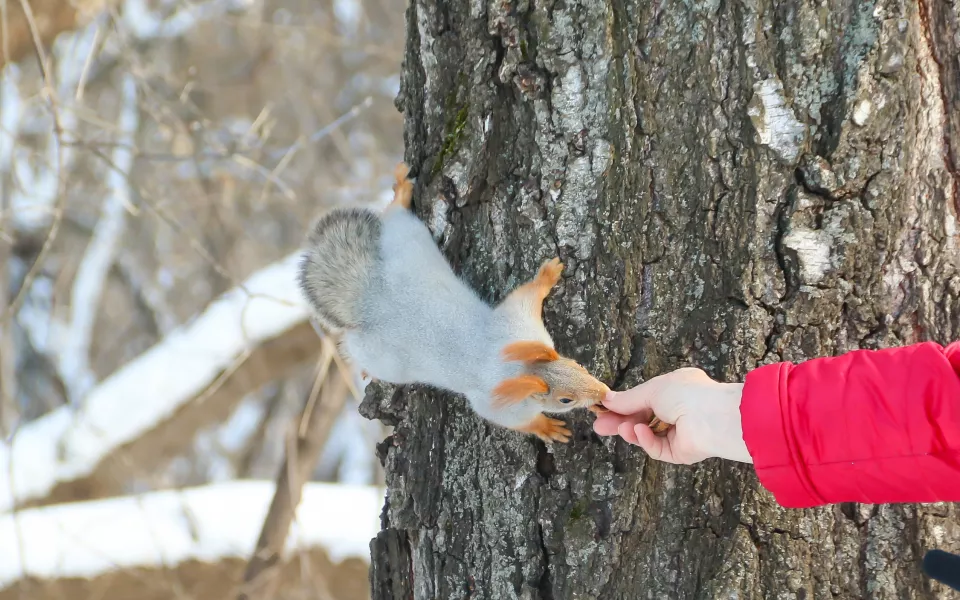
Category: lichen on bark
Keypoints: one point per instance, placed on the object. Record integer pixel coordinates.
(730, 183)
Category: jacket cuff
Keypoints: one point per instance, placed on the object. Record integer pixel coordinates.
(768, 435)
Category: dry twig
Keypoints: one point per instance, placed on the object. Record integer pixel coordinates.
(330, 386)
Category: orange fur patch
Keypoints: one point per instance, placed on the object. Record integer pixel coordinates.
(549, 273)
(517, 388)
(529, 352)
(403, 188)
(547, 429)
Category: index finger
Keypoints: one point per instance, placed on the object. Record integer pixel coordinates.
(609, 423)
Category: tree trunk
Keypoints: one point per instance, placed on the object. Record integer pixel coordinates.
(730, 183)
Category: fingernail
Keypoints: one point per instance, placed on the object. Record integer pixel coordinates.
(610, 397)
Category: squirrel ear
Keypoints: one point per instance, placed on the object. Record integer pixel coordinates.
(529, 351)
(515, 389)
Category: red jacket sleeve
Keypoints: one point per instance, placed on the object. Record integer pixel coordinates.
(871, 426)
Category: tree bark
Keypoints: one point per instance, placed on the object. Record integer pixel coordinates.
(730, 184)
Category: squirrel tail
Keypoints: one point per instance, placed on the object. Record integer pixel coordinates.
(337, 264)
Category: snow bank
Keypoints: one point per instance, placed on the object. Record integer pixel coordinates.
(67, 444)
(165, 528)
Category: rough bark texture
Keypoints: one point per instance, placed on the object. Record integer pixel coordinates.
(730, 183)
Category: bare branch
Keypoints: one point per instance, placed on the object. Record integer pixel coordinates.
(74, 345)
(20, 39)
(308, 439)
(54, 192)
(164, 392)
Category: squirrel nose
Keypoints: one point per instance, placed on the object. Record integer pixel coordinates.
(592, 401)
(604, 390)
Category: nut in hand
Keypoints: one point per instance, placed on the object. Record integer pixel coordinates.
(659, 427)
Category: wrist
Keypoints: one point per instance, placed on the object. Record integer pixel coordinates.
(728, 442)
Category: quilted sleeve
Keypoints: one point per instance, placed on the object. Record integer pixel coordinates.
(871, 426)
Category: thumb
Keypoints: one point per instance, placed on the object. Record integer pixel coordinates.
(631, 401)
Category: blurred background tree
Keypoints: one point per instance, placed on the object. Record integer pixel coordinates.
(160, 161)
(729, 184)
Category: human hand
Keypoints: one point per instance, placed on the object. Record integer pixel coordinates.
(705, 415)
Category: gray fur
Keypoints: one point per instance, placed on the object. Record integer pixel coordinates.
(422, 324)
(335, 271)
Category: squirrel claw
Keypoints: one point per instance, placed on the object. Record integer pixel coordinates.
(552, 430)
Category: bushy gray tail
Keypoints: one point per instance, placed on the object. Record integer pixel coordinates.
(337, 265)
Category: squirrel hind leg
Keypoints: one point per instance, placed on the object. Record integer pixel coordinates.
(402, 188)
(547, 429)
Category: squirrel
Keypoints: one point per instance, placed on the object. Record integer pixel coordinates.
(381, 284)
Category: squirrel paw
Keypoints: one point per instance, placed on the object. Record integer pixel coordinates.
(400, 174)
(548, 430)
(403, 188)
(549, 273)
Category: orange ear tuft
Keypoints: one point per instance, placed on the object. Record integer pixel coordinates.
(529, 351)
(517, 388)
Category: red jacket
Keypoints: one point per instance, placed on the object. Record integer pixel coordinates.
(872, 426)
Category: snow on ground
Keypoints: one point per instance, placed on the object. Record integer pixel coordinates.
(163, 529)
(68, 443)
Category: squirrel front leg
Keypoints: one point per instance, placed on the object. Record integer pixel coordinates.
(547, 429)
(528, 300)
(529, 297)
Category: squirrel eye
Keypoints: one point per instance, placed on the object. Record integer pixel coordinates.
(566, 400)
